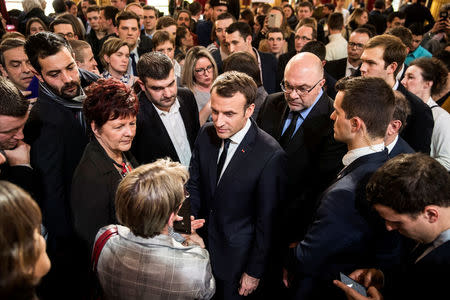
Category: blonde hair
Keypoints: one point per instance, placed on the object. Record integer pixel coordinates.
(148, 195)
(192, 56)
(111, 46)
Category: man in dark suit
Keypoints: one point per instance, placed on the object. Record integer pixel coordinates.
(167, 122)
(314, 156)
(239, 38)
(128, 31)
(393, 141)
(377, 18)
(237, 181)
(382, 57)
(14, 153)
(349, 66)
(346, 233)
(411, 193)
(57, 135)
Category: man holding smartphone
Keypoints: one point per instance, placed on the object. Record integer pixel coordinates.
(411, 193)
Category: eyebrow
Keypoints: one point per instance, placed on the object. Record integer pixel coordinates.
(58, 70)
(153, 87)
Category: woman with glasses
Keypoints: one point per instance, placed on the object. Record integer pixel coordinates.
(144, 258)
(199, 72)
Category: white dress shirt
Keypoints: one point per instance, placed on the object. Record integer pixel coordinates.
(349, 68)
(392, 145)
(236, 139)
(440, 138)
(354, 154)
(174, 124)
(336, 48)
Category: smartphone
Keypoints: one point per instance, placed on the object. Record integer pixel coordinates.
(274, 21)
(353, 284)
(443, 15)
(184, 226)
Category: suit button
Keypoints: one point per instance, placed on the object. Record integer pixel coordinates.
(211, 211)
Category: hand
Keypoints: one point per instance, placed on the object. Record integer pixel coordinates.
(2, 159)
(286, 281)
(32, 101)
(194, 239)
(19, 155)
(248, 284)
(369, 277)
(196, 224)
(372, 292)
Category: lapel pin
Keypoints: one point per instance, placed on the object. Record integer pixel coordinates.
(243, 151)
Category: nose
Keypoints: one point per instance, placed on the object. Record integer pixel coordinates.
(25, 68)
(65, 76)
(363, 67)
(404, 81)
(128, 130)
(389, 226)
(19, 135)
(219, 120)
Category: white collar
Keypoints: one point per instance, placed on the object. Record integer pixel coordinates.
(239, 136)
(392, 145)
(174, 108)
(354, 154)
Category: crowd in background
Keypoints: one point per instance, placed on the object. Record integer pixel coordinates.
(224, 152)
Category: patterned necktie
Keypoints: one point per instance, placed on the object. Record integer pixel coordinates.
(223, 157)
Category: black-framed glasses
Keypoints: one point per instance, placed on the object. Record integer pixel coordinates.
(299, 91)
(204, 70)
(357, 45)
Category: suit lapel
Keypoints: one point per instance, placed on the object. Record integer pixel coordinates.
(216, 143)
(283, 111)
(187, 121)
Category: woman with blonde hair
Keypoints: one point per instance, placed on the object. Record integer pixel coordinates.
(115, 57)
(199, 73)
(24, 259)
(358, 18)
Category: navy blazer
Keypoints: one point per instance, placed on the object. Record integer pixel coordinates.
(400, 147)
(152, 140)
(240, 211)
(314, 158)
(346, 234)
(419, 124)
(269, 71)
(336, 68)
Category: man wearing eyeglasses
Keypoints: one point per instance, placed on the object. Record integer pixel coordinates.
(299, 119)
(64, 28)
(167, 122)
(349, 66)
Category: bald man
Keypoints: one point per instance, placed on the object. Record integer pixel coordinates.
(299, 119)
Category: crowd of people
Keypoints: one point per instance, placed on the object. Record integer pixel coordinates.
(224, 153)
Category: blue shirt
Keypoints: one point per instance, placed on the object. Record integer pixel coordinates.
(419, 52)
(303, 114)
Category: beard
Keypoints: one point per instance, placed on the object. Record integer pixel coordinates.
(68, 91)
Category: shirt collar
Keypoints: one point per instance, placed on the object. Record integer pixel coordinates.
(395, 87)
(442, 238)
(239, 136)
(392, 145)
(304, 113)
(173, 109)
(354, 154)
(350, 66)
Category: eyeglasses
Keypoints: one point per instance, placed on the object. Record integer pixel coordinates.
(204, 70)
(67, 35)
(285, 87)
(357, 45)
(303, 38)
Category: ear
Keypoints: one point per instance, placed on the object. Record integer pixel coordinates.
(431, 213)
(392, 67)
(248, 40)
(395, 126)
(94, 129)
(106, 58)
(249, 111)
(141, 84)
(356, 124)
(428, 84)
(3, 71)
(172, 218)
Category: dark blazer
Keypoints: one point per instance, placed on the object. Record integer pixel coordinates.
(378, 20)
(400, 147)
(94, 187)
(152, 140)
(269, 70)
(22, 176)
(346, 234)
(314, 158)
(145, 45)
(240, 211)
(336, 68)
(283, 60)
(419, 124)
(204, 29)
(216, 55)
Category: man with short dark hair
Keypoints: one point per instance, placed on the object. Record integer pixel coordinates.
(377, 18)
(14, 152)
(349, 66)
(344, 232)
(128, 30)
(382, 57)
(336, 48)
(237, 182)
(416, 50)
(411, 192)
(97, 32)
(119, 4)
(58, 137)
(83, 56)
(395, 19)
(108, 21)
(204, 28)
(150, 19)
(64, 28)
(167, 114)
(239, 38)
(276, 41)
(219, 49)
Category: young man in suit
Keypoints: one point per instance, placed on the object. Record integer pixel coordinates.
(411, 193)
(313, 154)
(239, 38)
(345, 232)
(167, 122)
(237, 181)
(349, 66)
(382, 57)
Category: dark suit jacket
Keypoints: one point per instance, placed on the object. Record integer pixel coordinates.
(22, 176)
(216, 55)
(240, 211)
(346, 234)
(400, 147)
(420, 123)
(145, 45)
(152, 140)
(336, 68)
(94, 187)
(314, 158)
(378, 20)
(269, 70)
